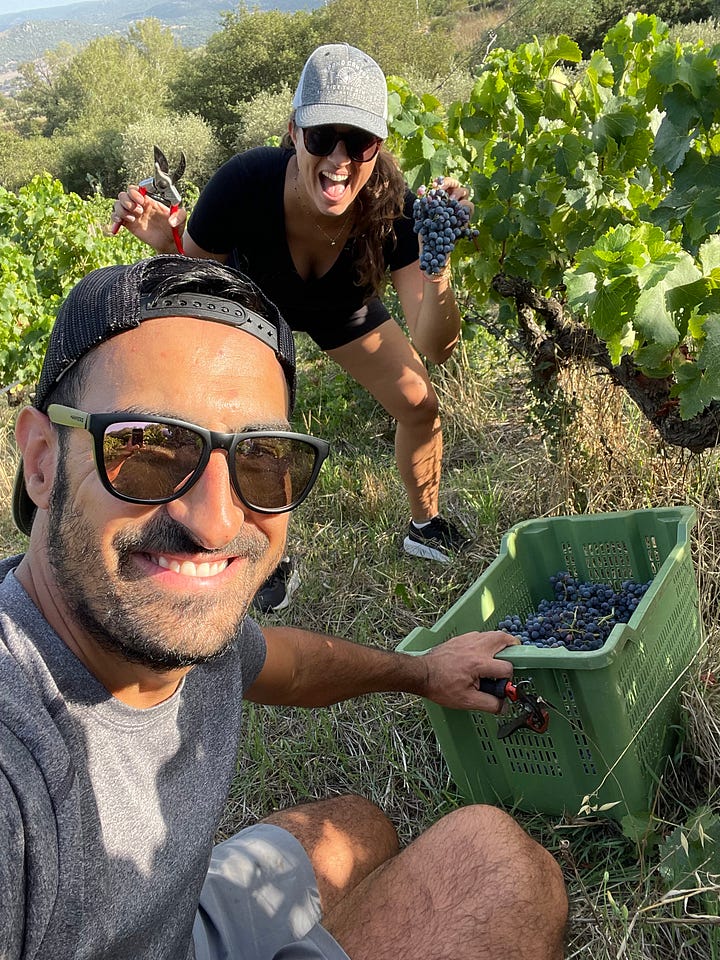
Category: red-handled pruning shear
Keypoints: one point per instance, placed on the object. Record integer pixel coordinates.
(533, 714)
(162, 187)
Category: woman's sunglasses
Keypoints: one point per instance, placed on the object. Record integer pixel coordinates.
(360, 145)
(153, 460)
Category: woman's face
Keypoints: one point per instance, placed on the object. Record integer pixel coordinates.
(333, 182)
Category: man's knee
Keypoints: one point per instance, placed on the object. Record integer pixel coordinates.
(497, 844)
(346, 838)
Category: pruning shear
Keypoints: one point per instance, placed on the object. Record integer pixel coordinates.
(533, 713)
(162, 187)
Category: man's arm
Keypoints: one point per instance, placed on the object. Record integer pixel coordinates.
(305, 669)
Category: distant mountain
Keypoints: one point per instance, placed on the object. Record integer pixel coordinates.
(26, 35)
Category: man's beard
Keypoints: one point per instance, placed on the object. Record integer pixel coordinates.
(124, 612)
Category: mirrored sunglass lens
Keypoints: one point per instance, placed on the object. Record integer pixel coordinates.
(146, 460)
(273, 472)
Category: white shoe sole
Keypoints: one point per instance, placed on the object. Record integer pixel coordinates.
(290, 587)
(423, 550)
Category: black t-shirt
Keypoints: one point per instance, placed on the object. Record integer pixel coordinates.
(240, 213)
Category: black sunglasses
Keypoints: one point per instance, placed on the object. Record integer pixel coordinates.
(157, 459)
(361, 146)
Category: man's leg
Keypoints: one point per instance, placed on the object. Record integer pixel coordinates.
(346, 838)
(473, 887)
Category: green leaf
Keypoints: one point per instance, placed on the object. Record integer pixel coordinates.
(640, 828)
(562, 48)
(653, 315)
(709, 254)
(671, 145)
(709, 356)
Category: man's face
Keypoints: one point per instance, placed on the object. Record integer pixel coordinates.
(168, 585)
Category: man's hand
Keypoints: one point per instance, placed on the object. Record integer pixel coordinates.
(456, 667)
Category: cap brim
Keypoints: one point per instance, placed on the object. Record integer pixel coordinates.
(23, 509)
(322, 114)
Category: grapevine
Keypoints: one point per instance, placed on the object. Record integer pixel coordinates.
(441, 221)
(581, 615)
(595, 192)
(49, 239)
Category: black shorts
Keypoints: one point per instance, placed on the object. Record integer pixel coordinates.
(370, 316)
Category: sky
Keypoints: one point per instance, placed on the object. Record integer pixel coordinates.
(20, 6)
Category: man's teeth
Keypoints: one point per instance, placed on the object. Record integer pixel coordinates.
(189, 569)
(336, 177)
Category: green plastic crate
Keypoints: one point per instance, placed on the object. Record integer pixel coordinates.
(617, 707)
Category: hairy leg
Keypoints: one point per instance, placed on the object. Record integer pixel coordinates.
(386, 364)
(346, 838)
(473, 887)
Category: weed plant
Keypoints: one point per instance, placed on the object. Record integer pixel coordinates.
(649, 892)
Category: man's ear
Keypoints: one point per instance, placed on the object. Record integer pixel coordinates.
(37, 441)
(292, 130)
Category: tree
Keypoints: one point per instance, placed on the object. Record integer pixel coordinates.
(401, 35)
(254, 52)
(85, 99)
(105, 81)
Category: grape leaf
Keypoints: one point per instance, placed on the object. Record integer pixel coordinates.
(671, 145)
(653, 317)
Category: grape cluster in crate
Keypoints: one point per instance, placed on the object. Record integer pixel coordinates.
(581, 615)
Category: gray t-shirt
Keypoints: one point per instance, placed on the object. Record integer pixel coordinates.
(107, 813)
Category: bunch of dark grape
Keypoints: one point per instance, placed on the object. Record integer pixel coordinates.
(441, 221)
(580, 617)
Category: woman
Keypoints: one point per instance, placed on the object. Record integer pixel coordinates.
(346, 218)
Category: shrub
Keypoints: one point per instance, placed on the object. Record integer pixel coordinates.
(263, 117)
(172, 133)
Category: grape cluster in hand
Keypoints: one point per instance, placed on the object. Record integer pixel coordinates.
(580, 617)
(440, 220)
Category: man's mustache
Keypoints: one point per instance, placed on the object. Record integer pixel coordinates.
(164, 535)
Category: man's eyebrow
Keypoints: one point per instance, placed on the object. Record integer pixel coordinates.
(266, 425)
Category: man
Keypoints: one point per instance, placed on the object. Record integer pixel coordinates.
(157, 476)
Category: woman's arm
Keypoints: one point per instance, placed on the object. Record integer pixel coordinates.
(430, 310)
(428, 303)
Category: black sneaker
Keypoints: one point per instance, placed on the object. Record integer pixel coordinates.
(439, 540)
(275, 593)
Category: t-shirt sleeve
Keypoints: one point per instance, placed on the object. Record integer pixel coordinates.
(28, 840)
(254, 652)
(227, 204)
(12, 879)
(406, 249)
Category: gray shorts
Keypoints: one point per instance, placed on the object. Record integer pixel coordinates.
(260, 902)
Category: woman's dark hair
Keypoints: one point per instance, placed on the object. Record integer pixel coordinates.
(377, 206)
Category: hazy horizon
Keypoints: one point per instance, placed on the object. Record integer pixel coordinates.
(22, 6)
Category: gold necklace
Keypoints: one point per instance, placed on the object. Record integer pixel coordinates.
(308, 211)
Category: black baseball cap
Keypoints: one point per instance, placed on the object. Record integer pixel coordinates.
(111, 300)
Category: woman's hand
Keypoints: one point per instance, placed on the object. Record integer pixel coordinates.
(147, 219)
(453, 188)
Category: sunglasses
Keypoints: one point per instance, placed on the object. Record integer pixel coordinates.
(360, 145)
(153, 460)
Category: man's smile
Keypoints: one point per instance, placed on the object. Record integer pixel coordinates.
(188, 568)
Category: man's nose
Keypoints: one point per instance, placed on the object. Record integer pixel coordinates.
(211, 510)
